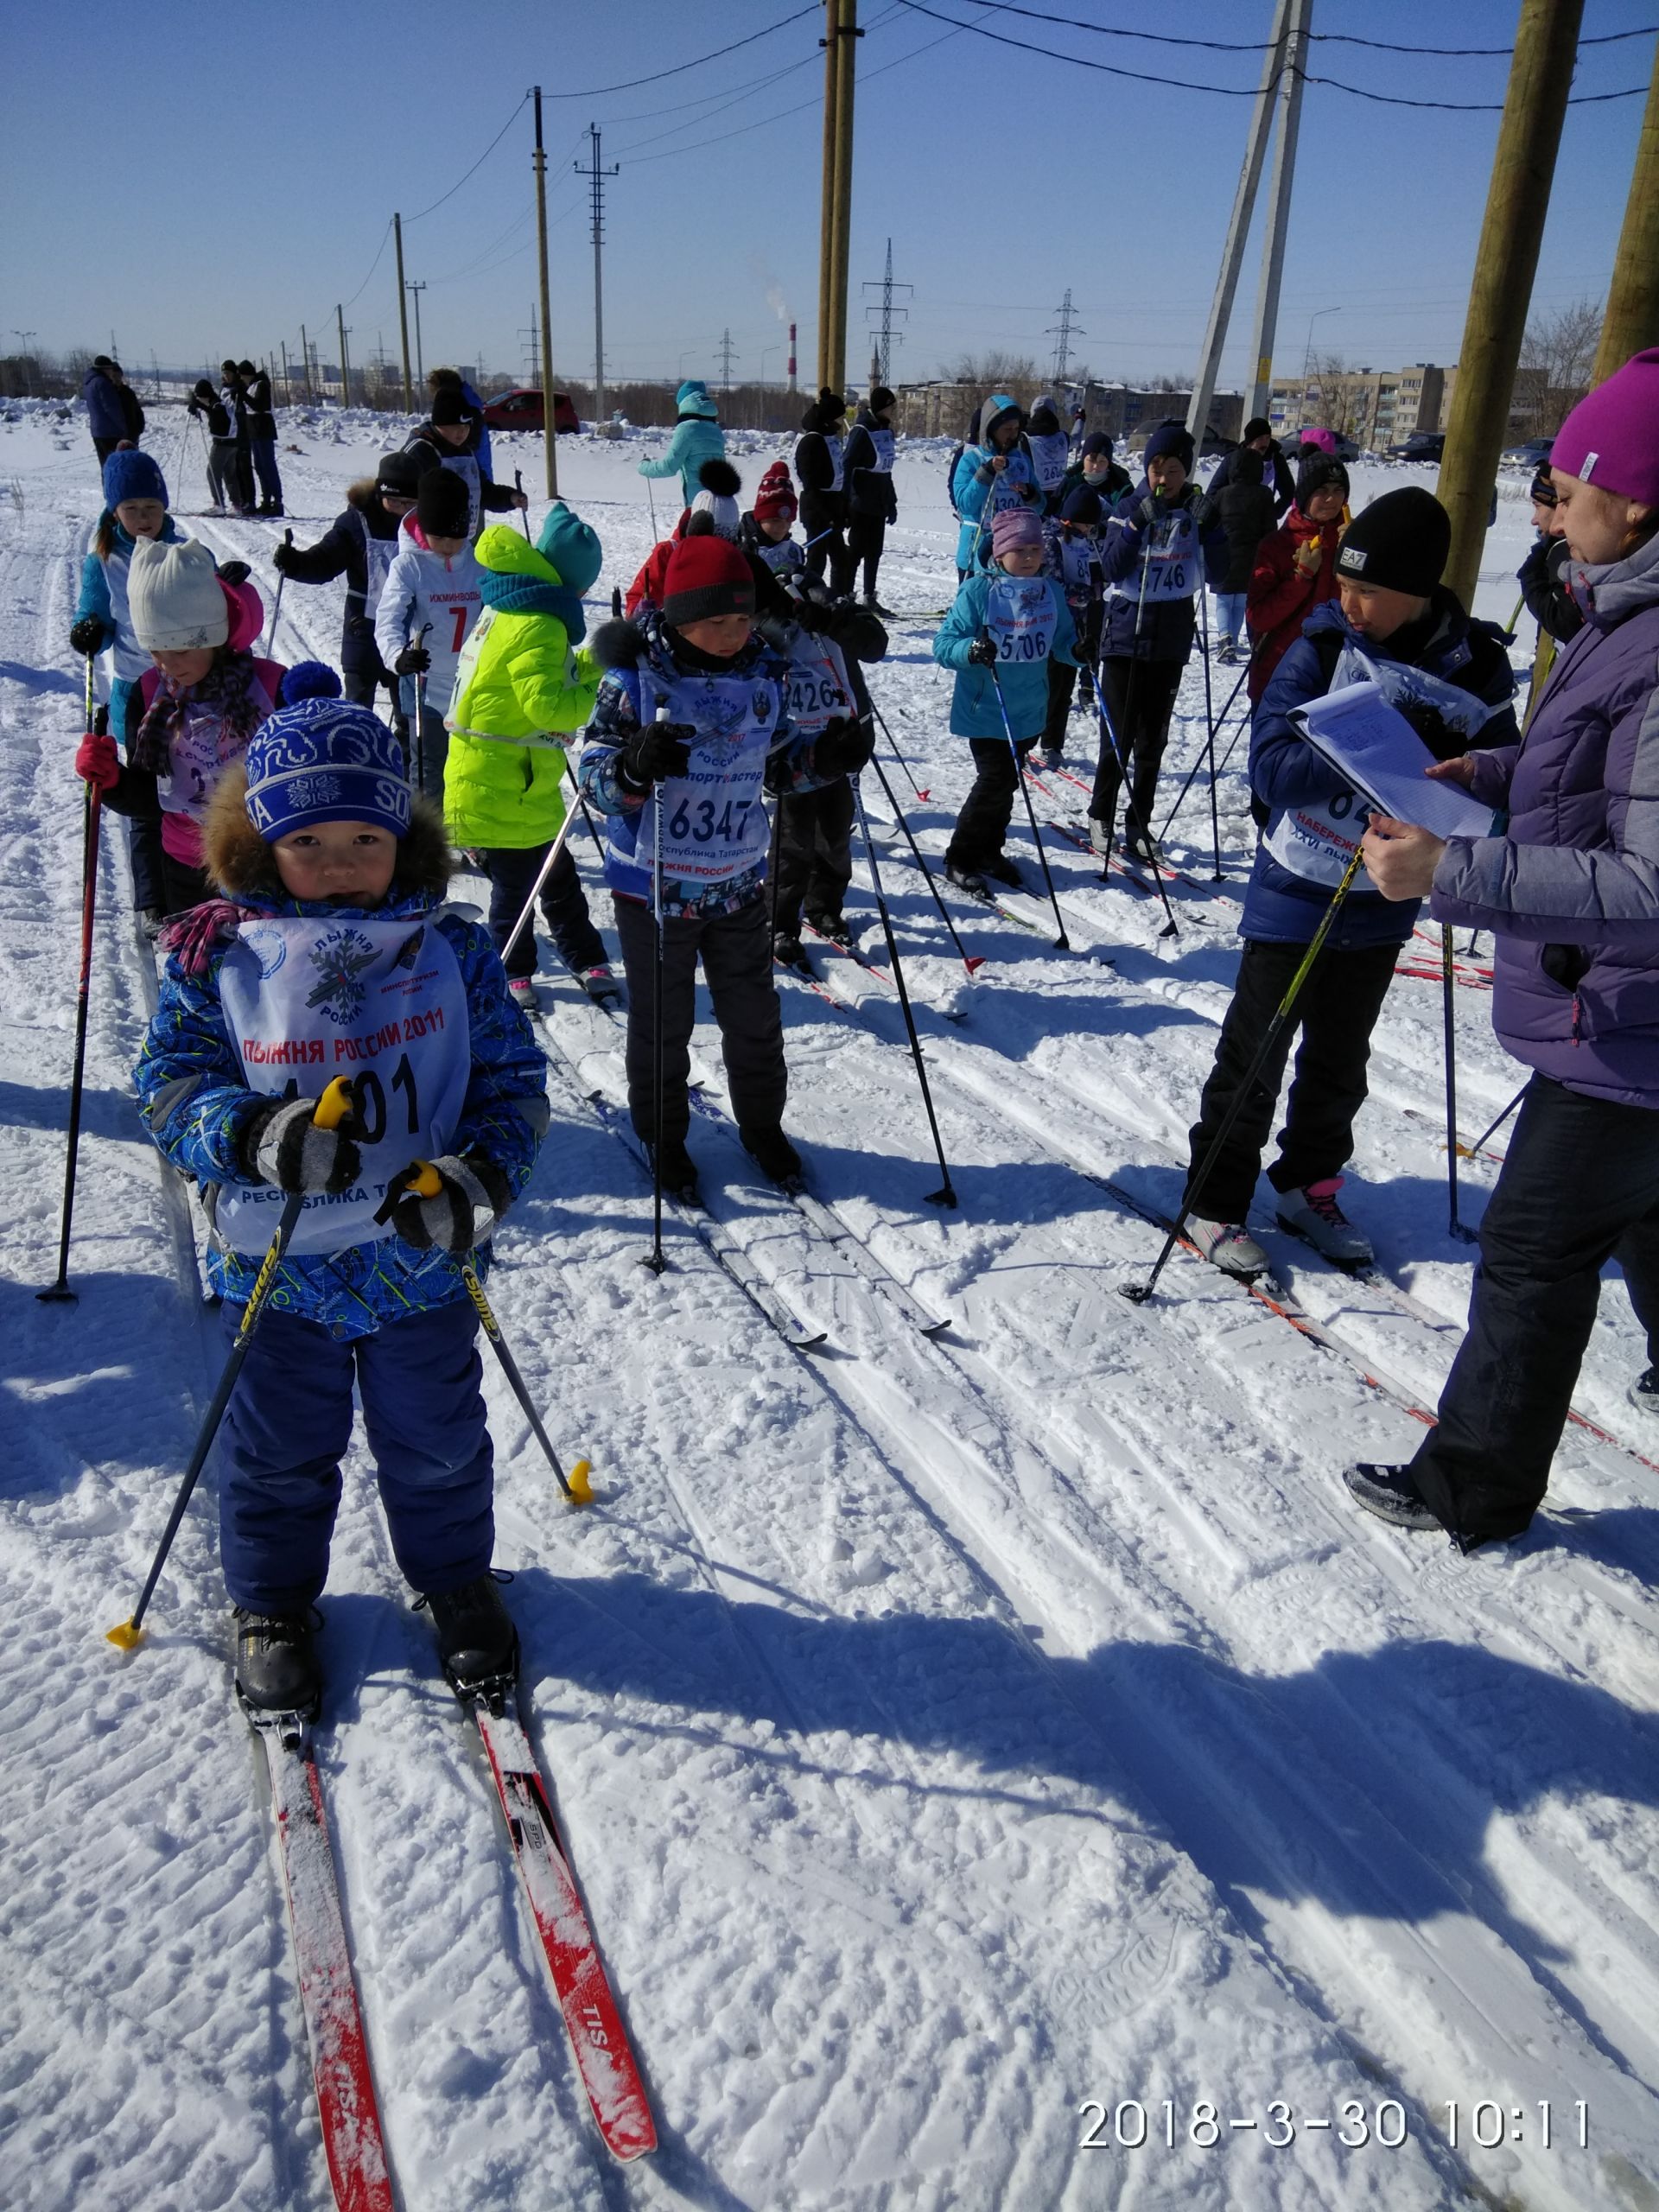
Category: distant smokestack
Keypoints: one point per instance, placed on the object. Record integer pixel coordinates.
(791, 357)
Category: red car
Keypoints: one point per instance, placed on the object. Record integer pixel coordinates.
(525, 410)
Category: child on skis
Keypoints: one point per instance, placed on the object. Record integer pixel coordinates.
(190, 716)
(988, 479)
(1006, 624)
(135, 509)
(430, 603)
(1071, 558)
(766, 532)
(1153, 564)
(332, 960)
(697, 438)
(689, 730)
(262, 436)
(1049, 450)
(359, 545)
(449, 439)
(224, 454)
(521, 683)
(821, 465)
(1295, 569)
(871, 500)
(1398, 626)
(1095, 466)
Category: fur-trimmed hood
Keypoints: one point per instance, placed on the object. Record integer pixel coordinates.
(236, 858)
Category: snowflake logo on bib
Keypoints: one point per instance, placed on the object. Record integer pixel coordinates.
(340, 959)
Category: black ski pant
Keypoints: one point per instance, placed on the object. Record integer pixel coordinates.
(104, 447)
(866, 536)
(1139, 697)
(270, 478)
(1335, 1012)
(1062, 679)
(823, 517)
(513, 871)
(814, 853)
(982, 824)
(1579, 1185)
(736, 953)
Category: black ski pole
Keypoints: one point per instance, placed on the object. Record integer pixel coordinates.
(523, 518)
(93, 801)
(1192, 773)
(1448, 990)
(332, 1108)
(971, 962)
(920, 794)
(576, 1486)
(1063, 943)
(1210, 727)
(1137, 1292)
(946, 1196)
(655, 1260)
(420, 717)
(276, 610)
(1480, 1145)
(581, 801)
(1131, 811)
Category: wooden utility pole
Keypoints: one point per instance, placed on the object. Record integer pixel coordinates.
(827, 195)
(847, 38)
(550, 429)
(1506, 260)
(345, 378)
(1284, 170)
(1631, 323)
(403, 311)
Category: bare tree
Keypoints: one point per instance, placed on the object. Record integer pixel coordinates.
(995, 370)
(1339, 399)
(1558, 357)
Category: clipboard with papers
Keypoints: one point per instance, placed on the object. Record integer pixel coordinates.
(1371, 744)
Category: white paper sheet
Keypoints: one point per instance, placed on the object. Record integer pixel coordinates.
(1371, 743)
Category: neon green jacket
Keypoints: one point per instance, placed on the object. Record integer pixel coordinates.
(518, 678)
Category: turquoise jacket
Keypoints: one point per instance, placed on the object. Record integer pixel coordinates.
(975, 711)
(697, 438)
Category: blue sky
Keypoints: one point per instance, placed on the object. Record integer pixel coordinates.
(200, 180)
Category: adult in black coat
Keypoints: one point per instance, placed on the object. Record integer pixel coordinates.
(820, 468)
(872, 501)
(1246, 507)
(359, 545)
(1276, 472)
(262, 436)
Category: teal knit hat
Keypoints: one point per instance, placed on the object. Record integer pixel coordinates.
(572, 547)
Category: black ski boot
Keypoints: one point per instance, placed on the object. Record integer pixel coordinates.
(771, 1152)
(787, 948)
(1001, 869)
(477, 1641)
(833, 929)
(679, 1172)
(276, 1663)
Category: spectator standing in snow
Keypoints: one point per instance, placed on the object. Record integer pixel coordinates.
(234, 398)
(1245, 505)
(449, 439)
(359, 545)
(262, 436)
(697, 438)
(224, 480)
(1396, 626)
(872, 501)
(113, 414)
(1569, 887)
(821, 466)
(1276, 469)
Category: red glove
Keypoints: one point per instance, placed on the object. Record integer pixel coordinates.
(99, 762)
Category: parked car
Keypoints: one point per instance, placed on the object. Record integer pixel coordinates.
(1421, 445)
(524, 409)
(1533, 455)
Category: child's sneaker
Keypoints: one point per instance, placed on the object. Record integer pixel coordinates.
(771, 1152)
(601, 986)
(1314, 1215)
(1389, 1493)
(523, 993)
(477, 1641)
(1229, 1246)
(277, 1668)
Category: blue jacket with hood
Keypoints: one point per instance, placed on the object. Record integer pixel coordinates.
(973, 478)
(974, 710)
(697, 438)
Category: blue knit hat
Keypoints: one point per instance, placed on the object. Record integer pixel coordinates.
(310, 679)
(1173, 439)
(130, 474)
(325, 760)
(572, 546)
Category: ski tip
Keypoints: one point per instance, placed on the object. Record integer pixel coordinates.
(127, 1638)
(973, 965)
(578, 1486)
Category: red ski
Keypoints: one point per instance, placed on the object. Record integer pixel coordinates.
(599, 2042)
(333, 2025)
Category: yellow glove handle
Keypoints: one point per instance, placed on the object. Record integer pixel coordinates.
(423, 1179)
(334, 1105)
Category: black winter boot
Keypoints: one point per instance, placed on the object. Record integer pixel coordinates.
(771, 1152)
(477, 1641)
(277, 1668)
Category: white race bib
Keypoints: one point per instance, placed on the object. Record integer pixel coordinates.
(1019, 615)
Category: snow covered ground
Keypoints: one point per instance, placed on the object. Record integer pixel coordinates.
(973, 1748)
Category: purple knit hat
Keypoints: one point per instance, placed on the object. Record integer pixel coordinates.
(1015, 527)
(1611, 438)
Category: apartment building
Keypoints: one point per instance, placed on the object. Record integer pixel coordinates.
(1375, 407)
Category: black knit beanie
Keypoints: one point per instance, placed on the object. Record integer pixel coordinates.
(1316, 470)
(1399, 542)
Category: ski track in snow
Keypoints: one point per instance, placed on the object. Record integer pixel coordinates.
(944, 1731)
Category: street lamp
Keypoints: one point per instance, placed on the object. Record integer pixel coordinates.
(766, 352)
(1307, 352)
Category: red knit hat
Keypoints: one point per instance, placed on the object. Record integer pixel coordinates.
(775, 495)
(706, 576)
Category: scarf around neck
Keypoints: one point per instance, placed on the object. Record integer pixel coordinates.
(228, 689)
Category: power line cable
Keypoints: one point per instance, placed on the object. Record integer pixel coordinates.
(1260, 46)
(632, 84)
(477, 165)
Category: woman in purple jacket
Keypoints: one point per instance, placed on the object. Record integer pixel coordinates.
(1570, 890)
